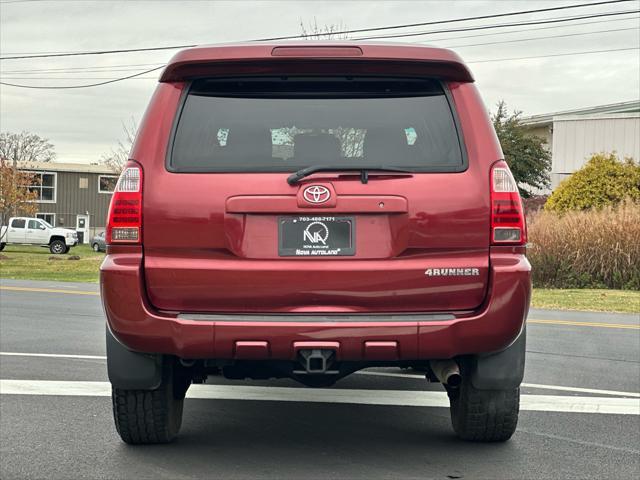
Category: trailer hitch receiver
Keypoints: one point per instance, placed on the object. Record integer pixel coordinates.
(317, 361)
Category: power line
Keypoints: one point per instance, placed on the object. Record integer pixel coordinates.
(6, 2)
(290, 37)
(65, 69)
(138, 75)
(439, 22)
(76, 72)
(2, 2)
(74, 78)
(553, 55)
(484, 27)
(65, 87)
(492, 34)
(107, 68)
(450, 38)
(499, 25)
(543, 38)
(33, 53)
(116, 68)
(100, 52)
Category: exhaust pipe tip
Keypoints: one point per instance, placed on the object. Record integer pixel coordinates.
(185, 362)
(454, 380)
(447, 372)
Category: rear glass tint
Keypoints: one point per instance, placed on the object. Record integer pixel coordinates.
(283, 125)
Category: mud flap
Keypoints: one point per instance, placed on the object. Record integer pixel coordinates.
(500, 370)
(131, 370)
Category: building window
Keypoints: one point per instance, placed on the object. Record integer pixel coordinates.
(44, 184)
(50, 218)
(107, 183)
(84, 182)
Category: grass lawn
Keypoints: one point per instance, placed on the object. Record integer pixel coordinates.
(33, 263)
(624, 301)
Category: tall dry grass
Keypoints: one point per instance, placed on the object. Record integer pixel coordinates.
(593, 248)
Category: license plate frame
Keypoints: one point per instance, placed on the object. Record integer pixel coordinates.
(316, 236)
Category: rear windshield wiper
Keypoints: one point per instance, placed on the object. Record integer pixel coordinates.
(364, 171)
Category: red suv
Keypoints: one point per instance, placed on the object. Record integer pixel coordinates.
(307, 211)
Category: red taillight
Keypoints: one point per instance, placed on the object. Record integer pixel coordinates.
(508, 226)
(124, 223)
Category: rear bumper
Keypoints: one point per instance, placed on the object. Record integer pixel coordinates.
(140, 327)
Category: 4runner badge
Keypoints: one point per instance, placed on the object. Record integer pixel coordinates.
(452, 272)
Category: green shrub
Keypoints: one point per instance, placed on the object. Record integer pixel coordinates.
(598, 248)
(527, 155)
(604, 180)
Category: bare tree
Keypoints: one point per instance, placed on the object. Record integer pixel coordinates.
(312, 31)
(24, 148)
(117, 158)
(15, 195)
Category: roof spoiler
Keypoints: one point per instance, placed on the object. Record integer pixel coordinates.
(322, 59)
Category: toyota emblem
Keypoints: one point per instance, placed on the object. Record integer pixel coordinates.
(316, 194)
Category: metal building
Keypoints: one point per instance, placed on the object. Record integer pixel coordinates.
(73, 195)
(573, 136)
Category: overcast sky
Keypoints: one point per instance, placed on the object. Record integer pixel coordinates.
(84, 123)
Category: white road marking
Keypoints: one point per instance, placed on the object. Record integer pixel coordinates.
(361, 372)
(538, 403)
(390, 374)
(53, 355)
(526, 385)
(581, 390)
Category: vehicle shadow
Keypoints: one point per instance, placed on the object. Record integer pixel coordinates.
(287, 439)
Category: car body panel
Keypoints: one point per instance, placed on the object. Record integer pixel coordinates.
(140, 326)
(225, 261)
(447, 216)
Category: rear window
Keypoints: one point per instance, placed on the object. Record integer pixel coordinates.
(285, 124)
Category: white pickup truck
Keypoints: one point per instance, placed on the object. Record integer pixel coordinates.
(35, 231)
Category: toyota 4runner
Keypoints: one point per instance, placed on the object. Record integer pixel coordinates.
(339, 206)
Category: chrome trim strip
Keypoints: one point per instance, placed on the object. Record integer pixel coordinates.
(232, 317)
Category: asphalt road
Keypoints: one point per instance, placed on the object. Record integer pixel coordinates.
(576, 362)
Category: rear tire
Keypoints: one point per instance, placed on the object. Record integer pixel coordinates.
(484, 415)
(2, 245)
(150, 416)
(96, 247)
